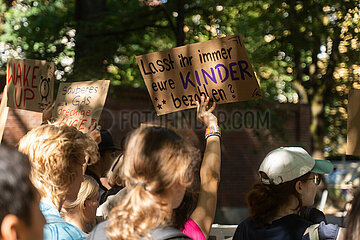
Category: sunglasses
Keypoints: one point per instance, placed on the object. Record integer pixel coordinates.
(316, 179)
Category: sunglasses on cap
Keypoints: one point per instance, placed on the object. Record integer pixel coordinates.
(316, 179)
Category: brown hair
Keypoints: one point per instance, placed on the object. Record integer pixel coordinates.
(155, 160)
(265, 200)
(53, 152)
(113, 175)
(352, 222)
(184, 211)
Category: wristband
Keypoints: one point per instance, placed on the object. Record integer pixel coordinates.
(212, 130)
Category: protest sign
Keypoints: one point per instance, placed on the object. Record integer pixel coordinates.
(30, 84)
(219, 69)
(3, 112)
(80, 104)
(353, 126)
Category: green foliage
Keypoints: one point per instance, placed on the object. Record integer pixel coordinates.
(39, 30)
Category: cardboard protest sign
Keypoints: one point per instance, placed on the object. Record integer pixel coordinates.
(3, 112)
(30, 84)
(219, 69)
(353, 126)
(79, 104)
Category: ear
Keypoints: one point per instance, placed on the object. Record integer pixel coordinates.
(83, 204)
(298, 187)
(10, 227)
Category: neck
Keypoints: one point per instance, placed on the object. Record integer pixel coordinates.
(75, 219)
(287, 209)
(57, 205)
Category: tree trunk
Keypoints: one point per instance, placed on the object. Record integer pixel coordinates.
(298, 71)
(320, 99)
(87, 65)
(180, 35)
(318, 128)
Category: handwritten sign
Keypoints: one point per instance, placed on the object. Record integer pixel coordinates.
(353, 127)
(30, 84)
(3, 112)
(79, 104)
(219, 69)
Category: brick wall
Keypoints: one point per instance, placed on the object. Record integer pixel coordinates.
(18, 123)
(242, 148)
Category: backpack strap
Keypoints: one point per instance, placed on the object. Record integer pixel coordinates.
(314, 232)
(167, 233)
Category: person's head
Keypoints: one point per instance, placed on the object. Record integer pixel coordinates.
(287, 174)
(352, 222)
(108, 152)
(86, 203)
(20, 215)
(113, 175)
(57, 155)
(157, 168)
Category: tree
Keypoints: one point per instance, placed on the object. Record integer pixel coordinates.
(303, 51)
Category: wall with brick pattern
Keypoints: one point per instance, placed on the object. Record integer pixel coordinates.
(242, 149)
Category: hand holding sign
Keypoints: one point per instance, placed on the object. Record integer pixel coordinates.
(218, 69)
(94, 132)
(47, 113)
(204, 112)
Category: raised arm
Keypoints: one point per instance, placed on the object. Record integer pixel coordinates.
(47, 113)
(204, 212)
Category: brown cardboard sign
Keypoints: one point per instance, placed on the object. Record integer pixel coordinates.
(80, 104)
(353, 126)
(30, 84)
(219, 69)
(3, 112)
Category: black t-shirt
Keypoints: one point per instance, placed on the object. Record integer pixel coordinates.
(290, 227)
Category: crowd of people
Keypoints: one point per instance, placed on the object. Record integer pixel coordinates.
(64, 184)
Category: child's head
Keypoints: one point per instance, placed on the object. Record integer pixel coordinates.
(157, 163)
(20, 214)
(86, 203)
(57, 155)
(158, 158)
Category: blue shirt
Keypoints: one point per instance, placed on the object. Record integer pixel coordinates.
(56, 228)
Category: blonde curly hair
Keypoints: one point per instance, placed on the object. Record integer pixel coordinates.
(54, 151)
(155, 160)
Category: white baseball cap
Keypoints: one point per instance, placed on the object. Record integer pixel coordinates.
(288, 163)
